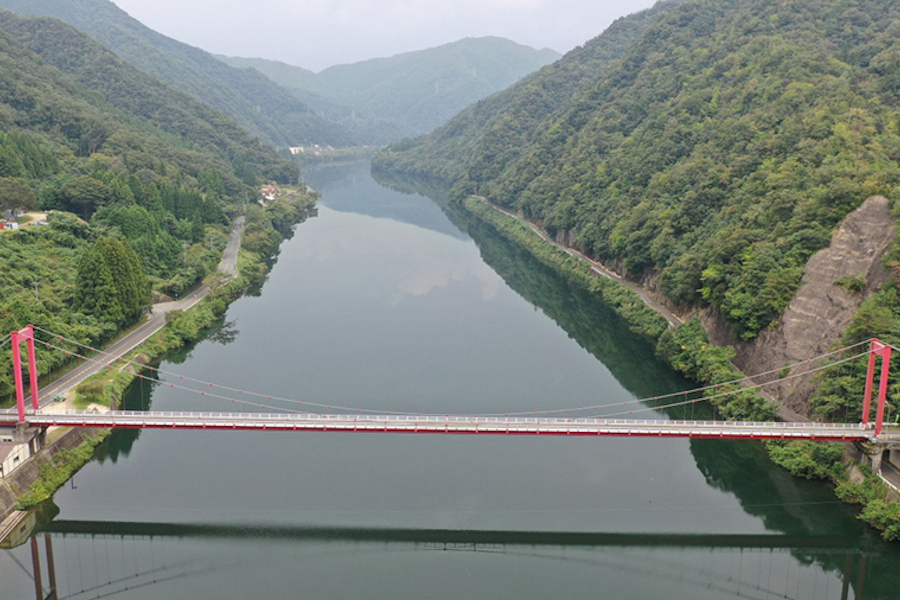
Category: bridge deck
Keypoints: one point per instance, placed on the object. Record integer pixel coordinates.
(448, 425)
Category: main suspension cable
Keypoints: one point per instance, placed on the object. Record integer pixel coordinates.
(123, 369)
(753, 388)
(740, 390)
(219, 386)
(748, 378)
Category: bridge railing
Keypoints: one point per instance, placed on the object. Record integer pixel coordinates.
(431, 419)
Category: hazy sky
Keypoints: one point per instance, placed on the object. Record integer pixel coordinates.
(319, 33)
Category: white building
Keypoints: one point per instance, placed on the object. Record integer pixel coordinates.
(11, 456)
(14, 451)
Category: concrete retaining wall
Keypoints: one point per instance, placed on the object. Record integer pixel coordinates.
(21, 479)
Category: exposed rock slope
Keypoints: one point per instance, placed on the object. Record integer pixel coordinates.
(820, 310)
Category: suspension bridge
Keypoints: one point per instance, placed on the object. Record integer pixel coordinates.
(598, 420)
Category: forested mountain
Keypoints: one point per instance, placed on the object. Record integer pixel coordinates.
(713, 144)
(410, 93)
(146, 181)
(508, 119)
(302, 84)
(255, 102)
(191, 124)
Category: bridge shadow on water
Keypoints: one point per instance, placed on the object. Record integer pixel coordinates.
(632, 361)
(98, 559)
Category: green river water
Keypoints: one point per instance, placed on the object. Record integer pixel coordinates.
(385, 300)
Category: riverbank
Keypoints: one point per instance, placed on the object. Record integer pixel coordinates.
(184, 322)
(688, 350)
(598, 268)
(642, 318)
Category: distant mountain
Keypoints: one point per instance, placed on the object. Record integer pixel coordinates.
(506, 122)
(708, 146)
(189, 124)
(410, 93)
(301, 83)
(258, 104)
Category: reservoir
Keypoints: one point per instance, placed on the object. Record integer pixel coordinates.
(391, 301)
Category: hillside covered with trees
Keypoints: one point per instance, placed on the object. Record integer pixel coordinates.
(411, 93)
(712, 145)
(140, 184)
(255, 102)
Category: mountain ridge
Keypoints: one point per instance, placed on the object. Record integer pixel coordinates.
(193, 124)
(412, 92)
(255, 102)
(713, 155)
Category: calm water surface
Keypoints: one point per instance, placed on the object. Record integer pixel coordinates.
(384, 300)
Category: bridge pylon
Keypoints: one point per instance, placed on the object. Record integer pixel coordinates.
(17, 337)
(877, 349)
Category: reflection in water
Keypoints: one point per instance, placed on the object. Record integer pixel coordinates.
(804, 544)
(226, 333)
(725, 464)
(591, 324)
(140, 560)
(350, 188)
(594, 326)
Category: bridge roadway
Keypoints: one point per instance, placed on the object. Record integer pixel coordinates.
(450, 424)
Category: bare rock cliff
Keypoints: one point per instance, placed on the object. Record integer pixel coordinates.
(820, 311)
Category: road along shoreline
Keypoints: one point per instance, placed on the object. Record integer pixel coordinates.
(597, 267)
(155, 321)
(147, 343)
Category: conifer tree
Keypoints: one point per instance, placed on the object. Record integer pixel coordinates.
(111, 282)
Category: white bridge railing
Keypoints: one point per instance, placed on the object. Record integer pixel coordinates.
(447, 424)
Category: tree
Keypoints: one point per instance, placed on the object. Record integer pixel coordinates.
(84, 195)
(211, 181)
(197, 228)
(16, 194)
(111, 283)
(10, 163)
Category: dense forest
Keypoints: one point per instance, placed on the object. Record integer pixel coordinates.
(713, 145)
(139, 182)
(512, 116)
(255, 102)
(187, 123)
(385, 99)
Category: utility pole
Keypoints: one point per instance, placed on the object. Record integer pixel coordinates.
(36, 283)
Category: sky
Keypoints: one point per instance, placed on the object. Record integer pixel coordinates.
(316, 34)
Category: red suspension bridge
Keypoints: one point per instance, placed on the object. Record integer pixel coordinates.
(614, 419)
